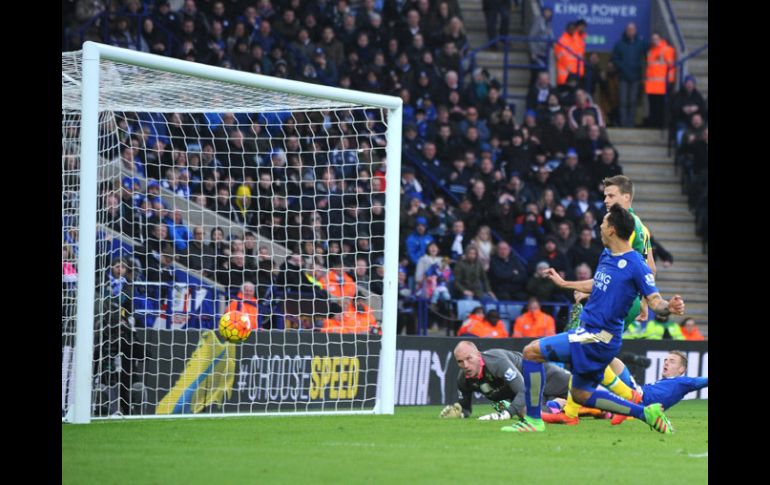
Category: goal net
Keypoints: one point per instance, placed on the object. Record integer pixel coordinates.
(190, 191)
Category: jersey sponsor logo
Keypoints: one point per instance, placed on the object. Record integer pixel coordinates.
(622, 263)
(602, 280)
(510, 374)
(650, 279)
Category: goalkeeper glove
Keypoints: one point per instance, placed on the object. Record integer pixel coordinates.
(496, 416)
(452, 411)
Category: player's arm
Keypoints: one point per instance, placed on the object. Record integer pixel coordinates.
(662, 307)
(645, 283)
(584, 286)
(515, 383)
(462, 408)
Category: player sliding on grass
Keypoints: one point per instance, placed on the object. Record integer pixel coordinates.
(673, 387)
(496, 373)
(621, 275)
(668, 391)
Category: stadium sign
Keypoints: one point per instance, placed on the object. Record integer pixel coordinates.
(191, 371)
(606, 19)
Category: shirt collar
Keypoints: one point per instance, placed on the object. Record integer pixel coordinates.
(481, 368)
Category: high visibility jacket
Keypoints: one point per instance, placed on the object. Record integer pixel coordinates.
(247, 306)
(534, 324)
(579, 41)
(694, 335)
(655, 330)
(480, 327)
(660, 64)
(566, 62)
(338, 285)
(352, 321)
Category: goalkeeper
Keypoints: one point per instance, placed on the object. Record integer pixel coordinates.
(497, 374)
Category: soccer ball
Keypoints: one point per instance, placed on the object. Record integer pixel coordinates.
(235, 326)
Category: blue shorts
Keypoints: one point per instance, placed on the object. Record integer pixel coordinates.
(586, 351)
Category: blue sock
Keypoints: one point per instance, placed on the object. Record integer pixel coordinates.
(534, 382)
(625, 376)
(610, 402)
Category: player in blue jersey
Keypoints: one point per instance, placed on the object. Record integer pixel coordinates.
(620, 276)
(672, 388)
(668, 391)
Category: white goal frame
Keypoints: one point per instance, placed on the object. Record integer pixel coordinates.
(92, 54)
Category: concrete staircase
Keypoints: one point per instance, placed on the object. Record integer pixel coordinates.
(492, 61)
(659, 202)
(692, 17)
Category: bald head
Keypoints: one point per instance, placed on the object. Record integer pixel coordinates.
(466, 345)
(468, 358)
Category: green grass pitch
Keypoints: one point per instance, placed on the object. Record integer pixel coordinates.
(412, 446)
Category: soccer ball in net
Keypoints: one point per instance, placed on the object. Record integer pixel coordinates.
(235, 326)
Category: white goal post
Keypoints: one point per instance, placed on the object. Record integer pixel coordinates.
(108, 96)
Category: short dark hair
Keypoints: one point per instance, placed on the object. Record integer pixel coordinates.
(622, 221)
(623, 183)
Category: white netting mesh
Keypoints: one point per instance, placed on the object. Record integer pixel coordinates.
(214, 197)
(132, 88)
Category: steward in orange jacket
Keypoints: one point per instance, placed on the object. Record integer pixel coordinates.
(534, 323)
(357, 318)
(690, 330)
(339, 284)
(246, 302)
(660, 66)
(480, 326)
(566, 62)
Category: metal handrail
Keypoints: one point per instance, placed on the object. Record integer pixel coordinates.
(676, 25)
(434, 182)
(693, 53)
(678, 65)
(422, 310)
(507, 39)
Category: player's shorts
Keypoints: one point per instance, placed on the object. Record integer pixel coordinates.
(636, 308)
(670, 391)
(589, 353)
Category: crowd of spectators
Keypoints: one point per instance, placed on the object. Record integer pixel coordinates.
(488, 203)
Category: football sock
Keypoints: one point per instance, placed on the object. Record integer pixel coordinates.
(571, 409)
(615, 384)
(534, 380)
(610, 402)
